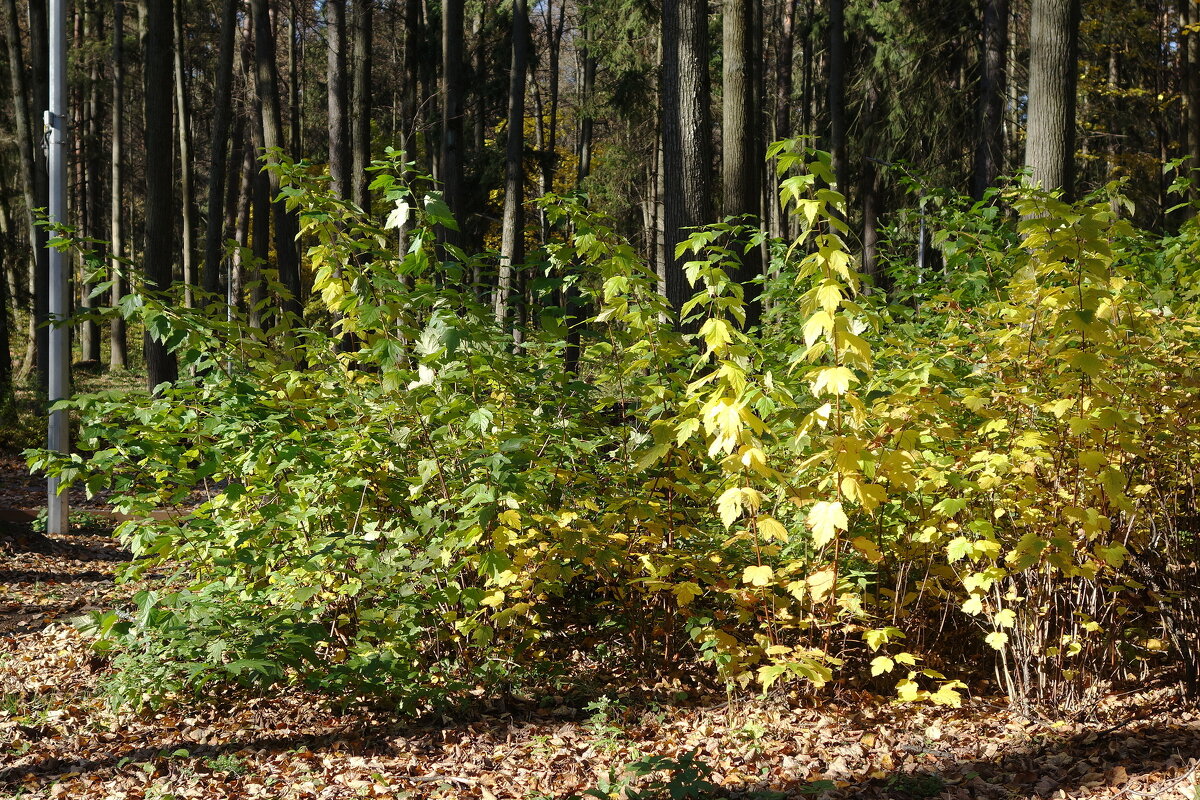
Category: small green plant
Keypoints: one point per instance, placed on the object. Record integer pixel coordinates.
(752, 736)
(916, 786)
(656, 778)
(227, 763)
(607, 733)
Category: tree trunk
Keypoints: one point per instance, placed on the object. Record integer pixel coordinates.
(246, 183)
(1114, 83)
(554, 34)
(7, 406)
(1053, 59)
(412, 76)
(740, 161)
(1190, 67)
(989, 150)
(808, 90)
(39, 58)
(118, 352)
(158, 83)
(451, 171)
(508, 286)
(836, 66)
(361, 150)
(266, 83)
(184, 132)
(294, 146)
(586, 94)
(214, 239)
(339, 120)
(686, 127)
(869, 188)
(784, 83)
(89, 331)
(33, 174)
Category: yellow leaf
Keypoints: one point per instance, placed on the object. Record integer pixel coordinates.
(772, 528)
(758, 576)
(825, 519)
(754, 458)
(997, 639)
(830, 297)
(820, 584)
(716, 333)
(685, 592)
(832, 380)
(868, 495)
(947, 695)
(881, 664)
(729, 506)
(816, 325)
(868, 549)
(907, 690)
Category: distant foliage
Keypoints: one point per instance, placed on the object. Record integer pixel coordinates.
(998, 468)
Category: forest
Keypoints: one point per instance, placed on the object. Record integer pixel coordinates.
(617, 399)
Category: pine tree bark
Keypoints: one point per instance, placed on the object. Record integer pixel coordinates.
(869, 180)
(869, 189)
(183, 130)
(218, 174)
(361, 103)
(686, 130)
(7, 406)
(157, 86)
(89, 330)
(989, 150)
(118, 350)
(508, 285)
(32, 165)
(1053, 72)
(836, 78)
(39, 59)
(412, 76)
(338, 95)
(587, 91)
(266, 82)
(294, 57)
(1190, 66)
(451, 162)
(740, 159)
(554, 34)
(784, 85)
(807, 87)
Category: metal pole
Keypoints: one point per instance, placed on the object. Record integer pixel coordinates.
(59, 341)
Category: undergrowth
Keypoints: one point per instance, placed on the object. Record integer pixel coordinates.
(989, 465)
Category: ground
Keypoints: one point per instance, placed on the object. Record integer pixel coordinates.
(59, 737)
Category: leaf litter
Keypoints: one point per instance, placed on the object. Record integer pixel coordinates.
(60, 738)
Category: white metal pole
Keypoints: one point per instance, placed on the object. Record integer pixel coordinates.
(59, 339)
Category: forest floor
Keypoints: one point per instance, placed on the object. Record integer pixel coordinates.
(60, 738)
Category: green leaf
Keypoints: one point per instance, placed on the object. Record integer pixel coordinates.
(958, 549)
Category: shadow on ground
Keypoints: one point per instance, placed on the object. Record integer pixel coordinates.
(1152, 758)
